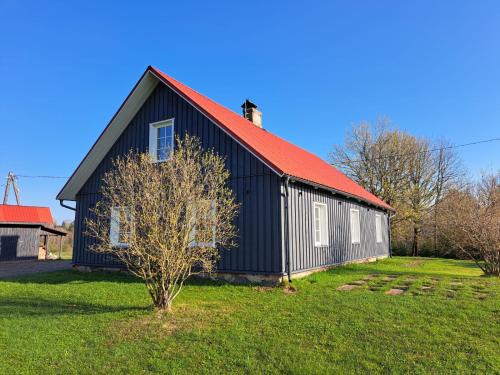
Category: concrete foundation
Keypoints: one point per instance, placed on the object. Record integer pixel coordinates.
(247, 278)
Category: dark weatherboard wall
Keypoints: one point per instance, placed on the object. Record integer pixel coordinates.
(255, 185)
(18, 242)
(305, 255)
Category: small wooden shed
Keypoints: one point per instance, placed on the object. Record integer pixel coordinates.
(25, 232)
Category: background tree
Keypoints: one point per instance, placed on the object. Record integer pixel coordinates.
(409, 173)
(470, 219)
(165, 221)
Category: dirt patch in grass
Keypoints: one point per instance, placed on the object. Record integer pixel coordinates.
(346, 287)
(415, 263)
(390, 278)
(154, 325)
(395, 291)
(290, 289)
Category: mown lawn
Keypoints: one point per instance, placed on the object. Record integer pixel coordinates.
(447, 321)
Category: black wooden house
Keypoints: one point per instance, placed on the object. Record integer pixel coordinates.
(298, 213)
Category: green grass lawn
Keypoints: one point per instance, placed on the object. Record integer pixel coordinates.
(447, 321)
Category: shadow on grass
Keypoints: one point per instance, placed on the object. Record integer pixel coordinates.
(79, 277)
(40, 307)
(74, 276)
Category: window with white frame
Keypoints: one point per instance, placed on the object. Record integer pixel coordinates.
(355, 227)
(161, 139)
(378, 228)
(120, 230)
(320, 224)
(203, 230)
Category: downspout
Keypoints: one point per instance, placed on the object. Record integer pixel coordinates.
(287, 237)
(61, 202)
(389, 217)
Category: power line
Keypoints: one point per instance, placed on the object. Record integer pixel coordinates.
(28, 176)
(431, 150)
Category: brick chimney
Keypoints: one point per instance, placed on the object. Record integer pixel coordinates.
(251, 113)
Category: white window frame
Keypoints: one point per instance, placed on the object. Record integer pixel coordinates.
(322, 221)
(114, 228)
(354, 240)
(192, 235)
(153, 137)
(378, 228)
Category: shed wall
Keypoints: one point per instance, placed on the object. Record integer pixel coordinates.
(18, 243)
(256, 187)
(305, 255)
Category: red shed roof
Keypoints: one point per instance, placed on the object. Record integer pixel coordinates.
(282, 156)
(25, 214)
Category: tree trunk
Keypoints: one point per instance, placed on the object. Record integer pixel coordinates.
(415, 242)
(164, 302)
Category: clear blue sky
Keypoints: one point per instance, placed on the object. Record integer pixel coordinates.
(314, 68)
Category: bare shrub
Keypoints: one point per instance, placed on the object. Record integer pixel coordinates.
(165, 221)
(470, 220)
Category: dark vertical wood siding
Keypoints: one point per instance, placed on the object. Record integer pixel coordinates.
(255, 185)
(19, 242)
(305, 255)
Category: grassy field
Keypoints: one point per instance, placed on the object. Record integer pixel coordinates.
(446, 321)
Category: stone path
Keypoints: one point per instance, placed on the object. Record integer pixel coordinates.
(26, 267)
(414, 285)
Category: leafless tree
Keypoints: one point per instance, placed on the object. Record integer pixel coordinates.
(470, 219)
(450, 175)
(409, 173)
(165, 221)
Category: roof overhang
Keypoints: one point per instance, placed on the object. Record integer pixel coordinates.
(45, 228)
(343, 193)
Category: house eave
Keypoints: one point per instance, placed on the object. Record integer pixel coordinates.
(340, 192)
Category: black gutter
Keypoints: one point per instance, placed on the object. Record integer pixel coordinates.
(287, 239)
(61, 202)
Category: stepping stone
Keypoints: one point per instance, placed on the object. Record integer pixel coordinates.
(411, 278)
(425, 287)
(402, 287)
(456, 283)
(395, 292)
(346, 287)
(358, 282)
(370, 277)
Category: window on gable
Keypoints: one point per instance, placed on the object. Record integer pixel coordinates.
(355, 227)
(161, 139)
(320, 224)
(204, 229)
(120, 231)
(378, 228)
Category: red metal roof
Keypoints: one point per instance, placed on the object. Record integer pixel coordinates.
(284, 157)
(25, 214)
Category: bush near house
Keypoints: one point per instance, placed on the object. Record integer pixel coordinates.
(445, 321)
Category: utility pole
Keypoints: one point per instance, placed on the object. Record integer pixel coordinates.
(11, 179)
